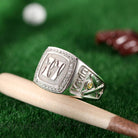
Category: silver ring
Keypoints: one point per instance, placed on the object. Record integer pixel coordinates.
(59, 69)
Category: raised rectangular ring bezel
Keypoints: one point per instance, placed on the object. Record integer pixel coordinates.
(64, 79)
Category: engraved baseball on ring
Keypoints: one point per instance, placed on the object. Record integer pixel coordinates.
(58, 69)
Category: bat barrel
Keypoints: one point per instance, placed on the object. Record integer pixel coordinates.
(123, 126)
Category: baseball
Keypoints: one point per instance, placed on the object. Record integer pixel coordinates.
(34, 14)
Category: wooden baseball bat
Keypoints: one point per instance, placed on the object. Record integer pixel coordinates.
(27, 91)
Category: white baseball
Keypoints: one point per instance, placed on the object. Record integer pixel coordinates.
(34, 14)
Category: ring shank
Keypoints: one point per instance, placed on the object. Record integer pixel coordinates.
(86, 83)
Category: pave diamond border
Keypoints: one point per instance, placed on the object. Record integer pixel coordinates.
(67, 79)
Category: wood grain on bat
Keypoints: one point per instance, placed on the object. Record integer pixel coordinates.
(27, 91)
(121, 125)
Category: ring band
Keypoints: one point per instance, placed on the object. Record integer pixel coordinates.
(58, 69)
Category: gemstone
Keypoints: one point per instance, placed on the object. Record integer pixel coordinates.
(89, 85)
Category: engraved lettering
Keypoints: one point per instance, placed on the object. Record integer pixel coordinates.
(81, 77)
(53, 68)
(60, 66)
(49, 62)
(84, 71)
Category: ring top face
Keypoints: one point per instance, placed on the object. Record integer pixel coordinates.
(55, 69)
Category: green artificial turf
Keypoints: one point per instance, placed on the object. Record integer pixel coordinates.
(71, 25)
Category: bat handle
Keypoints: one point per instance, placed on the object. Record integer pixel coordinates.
(123, 126)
